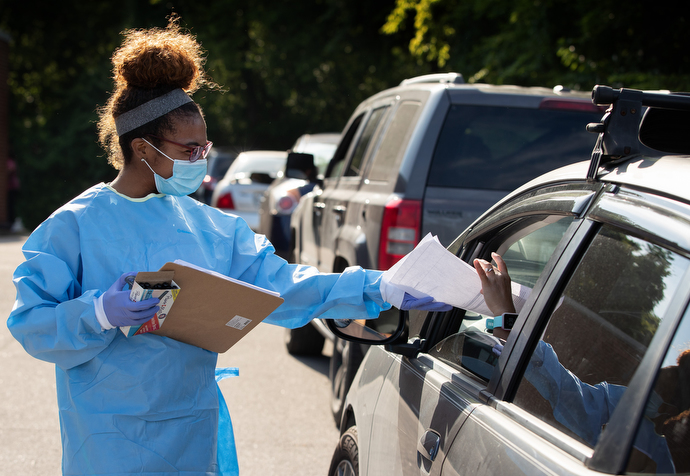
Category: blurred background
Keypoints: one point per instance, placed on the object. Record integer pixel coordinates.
(290, 68)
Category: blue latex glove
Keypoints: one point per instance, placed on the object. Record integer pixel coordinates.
(423, 304)
(122, 311)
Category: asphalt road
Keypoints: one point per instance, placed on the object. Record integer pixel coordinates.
(278, 404)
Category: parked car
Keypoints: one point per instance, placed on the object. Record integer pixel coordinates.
(240, 190)
(430, 155)
(219, 161)
(592, 377)
(281, 198)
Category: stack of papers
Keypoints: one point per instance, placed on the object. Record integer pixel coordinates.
(432, 270)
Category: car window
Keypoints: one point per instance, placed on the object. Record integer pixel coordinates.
(322, 152)
(335, 166)
(528, 250)
(387, 159)
(599, 332)
(667, 413)
(247, 165)
(363, 144)
(526, 246)
(501, 148)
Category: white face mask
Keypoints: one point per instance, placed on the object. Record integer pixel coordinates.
(186, 178)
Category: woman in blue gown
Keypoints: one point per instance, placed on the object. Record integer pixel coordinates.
(149, 404)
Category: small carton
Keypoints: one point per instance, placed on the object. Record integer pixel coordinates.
(159, 285)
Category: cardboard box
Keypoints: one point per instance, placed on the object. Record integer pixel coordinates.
(147, 285)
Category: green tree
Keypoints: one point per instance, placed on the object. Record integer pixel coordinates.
(547, 42)
(286, 69)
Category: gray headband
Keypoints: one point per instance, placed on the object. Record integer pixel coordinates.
(150, 110)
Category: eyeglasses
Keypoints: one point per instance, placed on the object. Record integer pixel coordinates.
(195, 153)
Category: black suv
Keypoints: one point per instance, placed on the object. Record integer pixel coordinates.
(430, 155)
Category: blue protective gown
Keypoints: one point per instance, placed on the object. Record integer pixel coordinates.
(149, 404)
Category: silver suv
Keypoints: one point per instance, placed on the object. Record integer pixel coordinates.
(430, 155)
(594, 377)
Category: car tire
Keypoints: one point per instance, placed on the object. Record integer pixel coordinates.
(345, 461)
(344, 363)
(304, 341)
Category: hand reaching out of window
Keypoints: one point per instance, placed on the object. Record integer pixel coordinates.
(495, 287)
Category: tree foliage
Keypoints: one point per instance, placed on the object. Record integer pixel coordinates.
(637, 44)
(286, 69)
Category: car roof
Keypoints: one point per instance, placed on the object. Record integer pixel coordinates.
(432, 86)
(666, 175)
(264, 153)
(321, 137)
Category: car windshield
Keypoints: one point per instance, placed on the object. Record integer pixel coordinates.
(245, 164)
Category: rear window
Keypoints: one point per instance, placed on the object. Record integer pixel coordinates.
(257, 164)
(501, 148)
(386, 162)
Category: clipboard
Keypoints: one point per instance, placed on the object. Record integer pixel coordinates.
(212, 311)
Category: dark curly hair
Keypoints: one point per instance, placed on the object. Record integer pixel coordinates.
(148, 64)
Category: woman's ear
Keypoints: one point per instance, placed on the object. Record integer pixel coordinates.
(139, 147)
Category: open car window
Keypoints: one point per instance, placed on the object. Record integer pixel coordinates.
(526, 245)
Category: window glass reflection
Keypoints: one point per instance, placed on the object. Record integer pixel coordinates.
(599, 333)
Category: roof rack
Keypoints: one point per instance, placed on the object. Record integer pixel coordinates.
(452, 78)
(619, 127)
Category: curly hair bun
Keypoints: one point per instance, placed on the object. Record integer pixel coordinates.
(159, 59)
(148, 64)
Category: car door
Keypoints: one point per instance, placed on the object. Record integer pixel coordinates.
(425, 400)
(345, 178)
(570, 391)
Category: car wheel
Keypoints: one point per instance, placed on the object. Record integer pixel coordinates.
(343, 367)
(345, 460)
(304, 341)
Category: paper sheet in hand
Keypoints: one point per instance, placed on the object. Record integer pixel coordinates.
(213, 311)
(432, 270)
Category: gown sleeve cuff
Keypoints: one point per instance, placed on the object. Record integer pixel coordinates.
(391, 293)
(100, 314)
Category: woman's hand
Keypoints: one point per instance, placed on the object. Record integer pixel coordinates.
(495, 284)
(120, 310)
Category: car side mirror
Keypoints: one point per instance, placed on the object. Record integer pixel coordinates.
(300, 166)
(389, 327)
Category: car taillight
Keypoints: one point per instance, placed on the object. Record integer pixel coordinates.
(570, 105)
(225, 201)
(209, 182)
(285, 204)
(400, 229)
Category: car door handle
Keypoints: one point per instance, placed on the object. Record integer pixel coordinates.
(429, 444)
(319, 205)
(339, 209)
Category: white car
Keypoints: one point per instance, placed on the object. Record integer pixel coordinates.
(241, 189)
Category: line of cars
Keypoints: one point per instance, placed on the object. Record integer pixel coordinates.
(602, 244)
(264, 186)
(428, 156)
